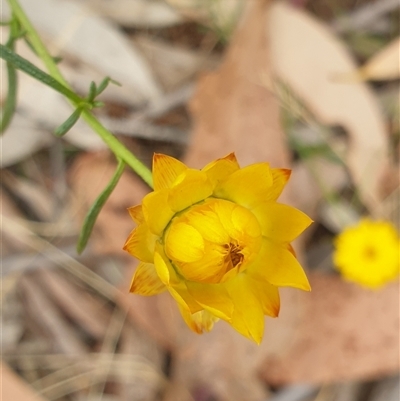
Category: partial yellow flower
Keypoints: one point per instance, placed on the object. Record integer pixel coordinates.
(218, 241)
(368, 253)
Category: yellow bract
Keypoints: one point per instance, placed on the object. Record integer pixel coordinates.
(218, 241)
(369, 253)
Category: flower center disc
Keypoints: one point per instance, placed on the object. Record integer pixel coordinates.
(234, 255)
(213, 241)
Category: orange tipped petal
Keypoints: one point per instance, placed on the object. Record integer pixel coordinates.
(247, 186)
(281, 223)
(220, 169)
(146, 281)
(268, 295)
(280, 178)
(140, 243)
(165, 170)
(200, 322)
(136, 214)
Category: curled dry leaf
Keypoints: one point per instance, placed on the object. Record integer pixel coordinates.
(385, 65)
(344, 332)
(138, 13)
(75, 30)
(312, 61)
(14, 388)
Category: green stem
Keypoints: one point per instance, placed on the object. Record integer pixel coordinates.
(112, 142)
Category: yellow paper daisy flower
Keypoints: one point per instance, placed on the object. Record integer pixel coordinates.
(218, 241)
(368, 253)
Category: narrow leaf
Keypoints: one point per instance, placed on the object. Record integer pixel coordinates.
(92, 92)
(68, 123)
(104, 83)
(26, 66)
(10, 103)
(98, 204)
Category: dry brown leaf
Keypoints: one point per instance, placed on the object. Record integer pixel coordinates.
(173, 65)
(385, 65)
(345, 333)
(14, 388)
(311, 60)
(233, 110)
(75, 30)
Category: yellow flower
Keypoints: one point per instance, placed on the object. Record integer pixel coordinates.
(218, 241)
(368, 253)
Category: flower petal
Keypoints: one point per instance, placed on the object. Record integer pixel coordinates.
(248, 316)
(191, 187)
(212, 297)
(140, 243)
(268, 295)
(281, 223)
(146, 281)
(247, 186)
(209, 269)
(280, 178)
(221, 168)
(165, 170)
(156, 211)
(184, 243)
(207, 223)
(278, 266)
(199, 322)
(175, 284)
(136, 214)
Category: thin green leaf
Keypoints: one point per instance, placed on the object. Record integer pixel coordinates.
(26, 66)
(97, 104)
(104, 83)
(10, 103)
(68, 123)
(98, 204)
(92, 92)
(11, 99)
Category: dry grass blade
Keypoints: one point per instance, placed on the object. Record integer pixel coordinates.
(364, 16)
(85, 310)
(109, 345)
(48, 318)
(22, 234)
(92, 369)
